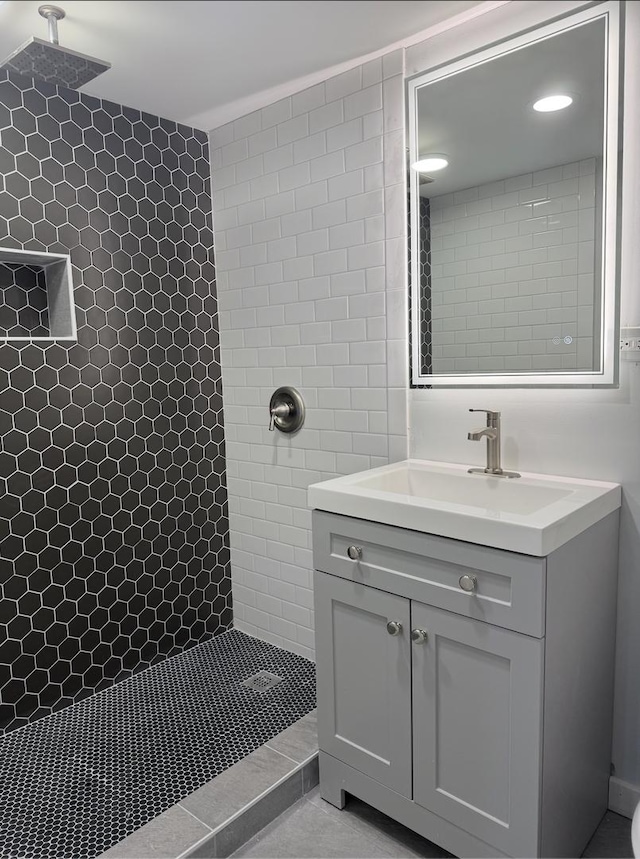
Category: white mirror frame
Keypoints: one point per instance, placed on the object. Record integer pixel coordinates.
(608, 374)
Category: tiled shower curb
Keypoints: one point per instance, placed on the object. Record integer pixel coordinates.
(240, 828)
(221, 816)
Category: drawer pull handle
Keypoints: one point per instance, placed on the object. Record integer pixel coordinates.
(394, 627)
(468, 583)
(419, 636)
(354, 552)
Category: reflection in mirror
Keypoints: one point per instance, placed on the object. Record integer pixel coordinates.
(508, 211)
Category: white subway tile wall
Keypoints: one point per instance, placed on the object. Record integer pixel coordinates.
(513, 273)
(310, 234)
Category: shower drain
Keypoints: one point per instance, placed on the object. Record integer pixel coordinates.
(262, 681)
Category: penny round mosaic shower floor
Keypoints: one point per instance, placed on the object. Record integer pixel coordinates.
(79, 781)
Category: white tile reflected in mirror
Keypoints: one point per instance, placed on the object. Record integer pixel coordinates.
(513, 209)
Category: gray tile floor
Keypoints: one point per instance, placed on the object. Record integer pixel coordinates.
(611, 839)
(313, 828)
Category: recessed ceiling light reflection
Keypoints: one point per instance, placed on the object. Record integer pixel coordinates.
(552, 102)
(431, 163)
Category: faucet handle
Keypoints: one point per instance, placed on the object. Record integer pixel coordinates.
(492, 417)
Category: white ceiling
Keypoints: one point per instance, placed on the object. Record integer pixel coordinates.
(189, 60)
(483, 119)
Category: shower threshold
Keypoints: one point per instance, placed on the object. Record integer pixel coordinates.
(78, 782)
(220, 817)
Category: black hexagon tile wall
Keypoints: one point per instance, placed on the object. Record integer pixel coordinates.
(113, 511)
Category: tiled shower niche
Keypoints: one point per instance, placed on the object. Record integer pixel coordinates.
(24, 310)
(36, 296)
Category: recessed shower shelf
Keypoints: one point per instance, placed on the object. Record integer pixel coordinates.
(36, 296)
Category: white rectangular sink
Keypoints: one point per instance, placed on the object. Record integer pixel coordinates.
(533, 514)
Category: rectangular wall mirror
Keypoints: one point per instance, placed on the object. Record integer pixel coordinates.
(513, 166)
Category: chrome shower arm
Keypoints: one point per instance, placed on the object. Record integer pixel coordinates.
(52, 14)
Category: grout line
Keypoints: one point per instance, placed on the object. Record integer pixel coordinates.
(282, 754)
(288, 757)
(191, 814)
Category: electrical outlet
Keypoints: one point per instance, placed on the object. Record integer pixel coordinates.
(630, 344)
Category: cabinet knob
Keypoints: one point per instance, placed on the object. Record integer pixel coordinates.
(394, 627)
(419, 636)
(354, 552)
(468, 583)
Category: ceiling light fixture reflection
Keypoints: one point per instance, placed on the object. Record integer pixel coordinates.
(431, 163)
(552, 102)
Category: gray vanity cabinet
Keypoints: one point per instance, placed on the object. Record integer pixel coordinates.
(469, 693)
(466, 691)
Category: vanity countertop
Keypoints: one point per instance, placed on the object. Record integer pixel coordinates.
(533, 514)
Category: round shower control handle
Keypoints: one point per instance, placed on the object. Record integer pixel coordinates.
(354, 552)
(286, 410)
(394, 627)
(419, 636)
(468, 583)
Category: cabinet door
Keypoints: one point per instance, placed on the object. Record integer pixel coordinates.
(477, 716)
(364, 680)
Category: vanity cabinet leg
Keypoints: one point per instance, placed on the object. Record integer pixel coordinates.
(331, 789)
(334, 795)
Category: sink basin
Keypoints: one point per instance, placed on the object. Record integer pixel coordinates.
(534, 514)
(452, 487)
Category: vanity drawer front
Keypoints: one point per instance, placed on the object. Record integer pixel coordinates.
(508, 588)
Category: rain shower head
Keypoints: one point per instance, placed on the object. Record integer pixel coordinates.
(50, 62)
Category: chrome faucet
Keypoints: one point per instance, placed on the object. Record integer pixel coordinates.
(492, 434)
